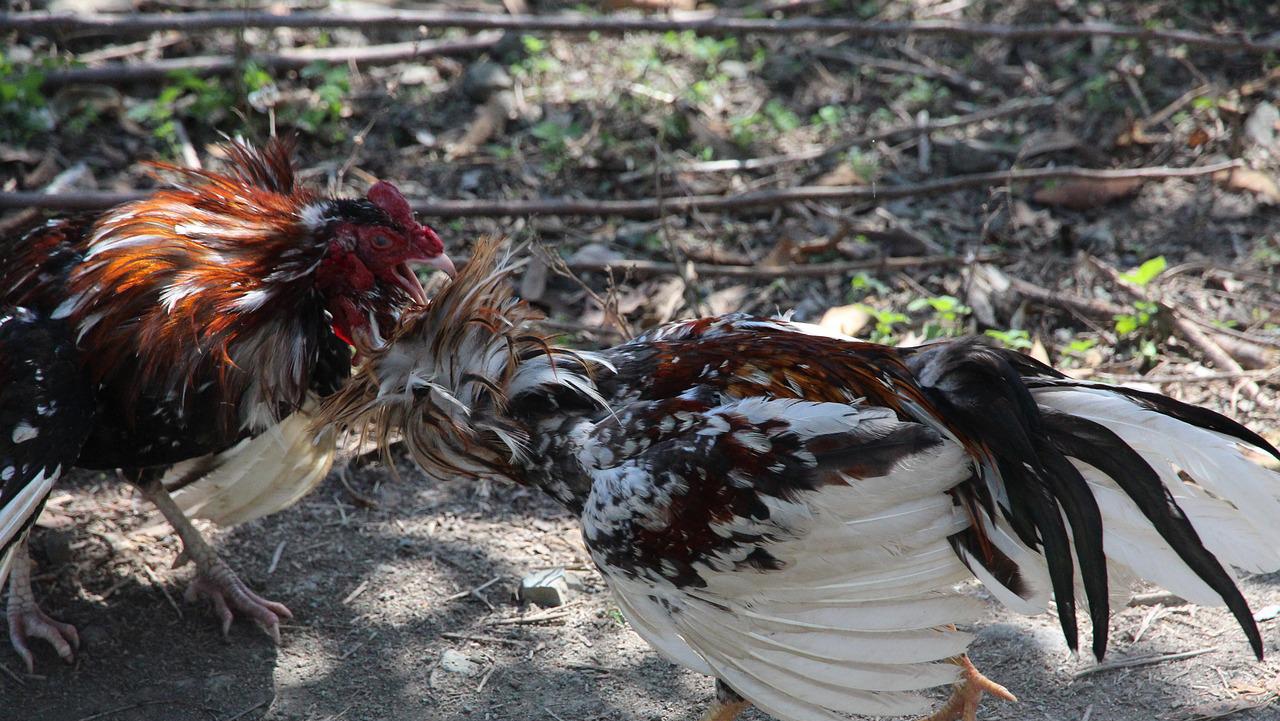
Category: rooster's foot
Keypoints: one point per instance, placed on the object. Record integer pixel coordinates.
(214, 578)
(963, 704)
(27, 620)
(728, 706)
(218, 583)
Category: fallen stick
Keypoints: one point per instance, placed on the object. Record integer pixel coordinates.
(284, 60)
(1143, 661)
(707, 23)
(653, 207)
(810, 270)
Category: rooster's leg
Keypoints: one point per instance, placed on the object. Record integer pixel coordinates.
(214, 578)
(963, 704)
(728, 704)
(26, 620)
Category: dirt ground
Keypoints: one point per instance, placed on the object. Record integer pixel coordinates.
(379, 594)
(380, 575)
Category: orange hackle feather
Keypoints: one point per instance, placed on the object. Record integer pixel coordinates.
(203, 279)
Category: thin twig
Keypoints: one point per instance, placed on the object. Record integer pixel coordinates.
(275, 557)
(1143, 661)
(251, 709)
(284, 60)
(358, 646)
(810, 270)
(709, 23)
(475, 592)
(155, 580)
(482, 639)
(8, 672)
(649, 207)
(143, 704)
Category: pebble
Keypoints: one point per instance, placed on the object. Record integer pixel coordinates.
(547, 588)
(1260, 127)
(453, 663)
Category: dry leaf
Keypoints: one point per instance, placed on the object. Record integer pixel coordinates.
(846, 319)
(1086, 193)
(783, 252)
(842, 174)
(1038, 351)
(1198, 137)
(727, 300)
(1253, 181)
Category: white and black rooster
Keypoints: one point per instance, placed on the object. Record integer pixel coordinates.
(790, 512)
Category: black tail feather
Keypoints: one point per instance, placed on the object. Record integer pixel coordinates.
(1101, 448)
(981, 390)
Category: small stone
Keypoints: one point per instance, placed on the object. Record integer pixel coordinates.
(546, 588)
(459, 663)
(483, 79)
(419, 74)
(735, 69)
(1266, 613)
(1260, 127)
(595, 253)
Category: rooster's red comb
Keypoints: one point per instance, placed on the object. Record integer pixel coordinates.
(390, 199)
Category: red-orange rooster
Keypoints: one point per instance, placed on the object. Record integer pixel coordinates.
(179, 326)
(790, 512)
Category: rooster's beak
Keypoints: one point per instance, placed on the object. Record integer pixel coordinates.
(408, 280)
(441, 262)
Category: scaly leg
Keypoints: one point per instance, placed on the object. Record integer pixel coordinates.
(963, 704)
(214, 578)
(26, 620)
(728, 706)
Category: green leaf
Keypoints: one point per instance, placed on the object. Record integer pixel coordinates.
(1147, 272)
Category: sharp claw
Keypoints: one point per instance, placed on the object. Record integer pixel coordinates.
(227, 592)
(24, 653)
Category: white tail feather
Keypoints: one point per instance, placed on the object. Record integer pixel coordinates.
(270, 472)
(1232, 503)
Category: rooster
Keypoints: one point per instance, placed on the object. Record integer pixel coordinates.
(197, 323)
(789, 511)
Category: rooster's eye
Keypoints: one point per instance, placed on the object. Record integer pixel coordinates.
(381, 241)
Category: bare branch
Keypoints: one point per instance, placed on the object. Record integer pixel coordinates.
(810, 270)
(707, 23)
(283, 60)
(650, 207)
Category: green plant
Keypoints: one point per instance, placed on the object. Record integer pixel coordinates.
(553, 140)
(1016, 339)
(1147, 272)
(333, 85)
(886, 322)
(185, 96)
(948, 314)
(829, 116)
(865, 165)
(1143, 316)
(23, 111)
(864, 284)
